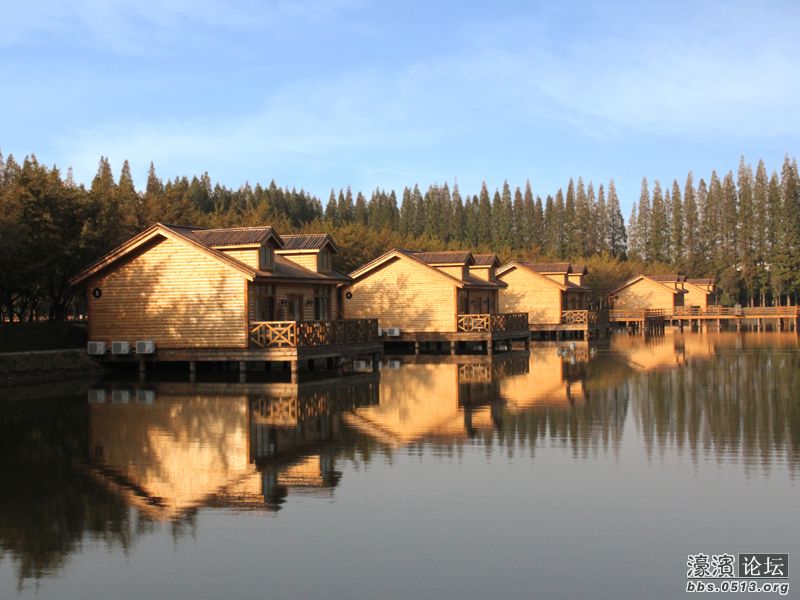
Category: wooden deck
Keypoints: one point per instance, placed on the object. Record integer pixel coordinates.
(278, 341)
(587, 323)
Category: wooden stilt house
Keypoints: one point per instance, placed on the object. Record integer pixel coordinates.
(242, 294)
(553, 294)
(433, 297)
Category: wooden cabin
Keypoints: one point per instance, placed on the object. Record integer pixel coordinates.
(552, 294)
(432, 297)
(698, 291)
(649, 292)
(239, 294)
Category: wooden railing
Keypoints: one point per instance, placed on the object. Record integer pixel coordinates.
(485, 323)
(291, 334)
(733, 311)
(583, 317)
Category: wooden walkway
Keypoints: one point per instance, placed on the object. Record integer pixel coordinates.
(645, 321)
(785, 317)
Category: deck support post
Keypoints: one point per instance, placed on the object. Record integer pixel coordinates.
(375, 362)
(142, 369)
(416, 347)
(527, 342)
(489, 347)
(453, 348)
(192, 371)
(294, 366)
(242, 371)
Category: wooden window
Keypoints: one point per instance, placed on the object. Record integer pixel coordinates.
(322, 303)
(266, 258)
(462, 302)
(324, 262)
(265, 303)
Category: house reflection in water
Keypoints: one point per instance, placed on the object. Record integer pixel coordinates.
(179, 447)
(550, 380)
(438, 399)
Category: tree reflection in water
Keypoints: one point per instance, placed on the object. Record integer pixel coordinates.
(75, 472)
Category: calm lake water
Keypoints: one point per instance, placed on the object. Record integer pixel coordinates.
(530, 476)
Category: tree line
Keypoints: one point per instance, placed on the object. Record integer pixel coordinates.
(745, 231)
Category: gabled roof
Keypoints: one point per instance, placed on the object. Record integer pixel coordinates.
(181, 234)
(580, 269)
(469, 282)
(202, 242)
(309, 241)
(555, 267)
(486, 260)
(528, 268)
(672, 278)
(450, 257)
(233, 236)
(651, 279)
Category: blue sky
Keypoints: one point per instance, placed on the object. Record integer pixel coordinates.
(328, 93)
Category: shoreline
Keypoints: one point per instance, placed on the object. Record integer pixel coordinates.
(45, 366)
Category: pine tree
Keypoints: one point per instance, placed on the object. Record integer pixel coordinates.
(360, 213)
(538, 239)
(747, 258)
(691, 225)
(484, 217)
(617, 236)
(643, 223)
(677, 241)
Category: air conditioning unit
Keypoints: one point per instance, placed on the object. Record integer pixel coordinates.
(393, 364)
(393, 331)
(145, 347)
(96, 348)
(97, 396)
(120, 396)
(120, 348)
(380, 331)
(360, 365)
(145, 396)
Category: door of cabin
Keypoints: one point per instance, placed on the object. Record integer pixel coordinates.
(294, 307)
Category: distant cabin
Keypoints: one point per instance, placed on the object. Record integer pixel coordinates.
(698, 291)
(543, 290)
(655, 292)
(188, 287)
(422, 295)
(422, 291)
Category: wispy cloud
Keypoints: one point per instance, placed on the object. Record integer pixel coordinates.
(148, 27)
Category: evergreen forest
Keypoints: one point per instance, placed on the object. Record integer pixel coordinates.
(742, 228)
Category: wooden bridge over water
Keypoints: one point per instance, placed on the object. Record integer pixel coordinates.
(650, 321)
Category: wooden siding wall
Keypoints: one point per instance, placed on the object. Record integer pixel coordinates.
(575, 278)
(457, 272)
(695, 296)
(248, 256)
(307, 260)
(404, 294)
(559, 278)
(172, 294)
(282, 292)
(485, 273)
(528, 293)
(644, 294)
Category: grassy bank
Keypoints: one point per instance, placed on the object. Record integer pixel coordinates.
(26, 337)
